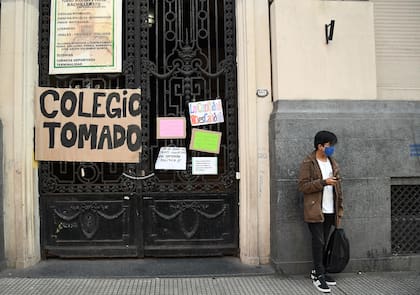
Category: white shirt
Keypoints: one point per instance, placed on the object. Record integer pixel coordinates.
(328, 194)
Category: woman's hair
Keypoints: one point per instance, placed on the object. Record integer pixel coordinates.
(322, 137)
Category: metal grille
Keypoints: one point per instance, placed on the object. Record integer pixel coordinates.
(405, 219)
(76, 178)
(178, 52)
(191, 57)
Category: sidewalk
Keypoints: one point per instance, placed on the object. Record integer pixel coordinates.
(370, 284)
(188, 276)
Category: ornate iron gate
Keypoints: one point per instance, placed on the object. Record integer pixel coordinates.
(176, 51)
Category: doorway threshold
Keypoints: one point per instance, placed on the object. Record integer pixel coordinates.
(140, 268)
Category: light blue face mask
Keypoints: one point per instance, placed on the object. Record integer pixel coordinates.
(329, 151)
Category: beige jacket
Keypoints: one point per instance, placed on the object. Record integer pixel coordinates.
(311, 184)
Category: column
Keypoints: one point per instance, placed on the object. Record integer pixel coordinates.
(18, 60)
(253, 58)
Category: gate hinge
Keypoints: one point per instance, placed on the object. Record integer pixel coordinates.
(238, 175)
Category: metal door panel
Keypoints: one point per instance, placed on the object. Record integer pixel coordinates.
(92, 225)
(191, 58)
(184, 225)
(96, 191)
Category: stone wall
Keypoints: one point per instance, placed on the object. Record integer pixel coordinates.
(374, 139)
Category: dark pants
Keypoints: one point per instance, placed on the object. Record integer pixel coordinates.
(320, 232)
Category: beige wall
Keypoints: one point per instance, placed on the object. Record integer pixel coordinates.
(305, 67)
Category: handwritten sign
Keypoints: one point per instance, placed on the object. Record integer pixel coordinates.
(170, 127)
(85, 36)
(206, 112)
(205, 141)
(172, 158)
(204, 165)
(92, 125)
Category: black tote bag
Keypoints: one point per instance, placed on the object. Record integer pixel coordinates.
(337, 253)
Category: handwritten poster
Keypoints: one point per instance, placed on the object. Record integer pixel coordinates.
(206, 112)
(205, 141)
(85, 36)
(87, 125)
(170, 127)
(172, 158)
(204, 165)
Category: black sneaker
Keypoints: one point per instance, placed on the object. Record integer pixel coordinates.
(329, 280)
(320, 283)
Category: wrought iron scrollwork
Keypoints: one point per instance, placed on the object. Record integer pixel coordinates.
(176, 51)
(85, 217)
(198, 210)
(191, 57)
(66, 177)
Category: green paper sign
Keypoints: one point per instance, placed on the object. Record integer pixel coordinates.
(205, 141)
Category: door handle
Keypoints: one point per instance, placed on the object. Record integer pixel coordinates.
(138, 177)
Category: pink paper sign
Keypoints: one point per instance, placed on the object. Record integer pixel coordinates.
(170, 127)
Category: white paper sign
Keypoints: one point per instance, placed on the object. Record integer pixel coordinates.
(206, 112)
(172, 158)
(204, 165)
(85, 36)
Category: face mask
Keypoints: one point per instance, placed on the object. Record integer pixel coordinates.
(329, 151)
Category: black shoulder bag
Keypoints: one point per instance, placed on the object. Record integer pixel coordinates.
(337, 253)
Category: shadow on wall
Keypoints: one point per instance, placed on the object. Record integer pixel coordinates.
(375, 142)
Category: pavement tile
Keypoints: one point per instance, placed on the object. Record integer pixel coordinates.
(347, 284)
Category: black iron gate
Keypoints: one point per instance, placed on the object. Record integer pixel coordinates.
(176, 51)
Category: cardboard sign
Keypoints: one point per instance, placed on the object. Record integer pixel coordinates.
(205, 141)
(204, 165)
(170, 128)
(206, 112)
(172, 158)
(87, 125)
(85, 36)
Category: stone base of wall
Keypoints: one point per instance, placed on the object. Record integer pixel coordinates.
(375, 140)
(397, 263)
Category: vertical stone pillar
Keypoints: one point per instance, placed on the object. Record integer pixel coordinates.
(2, 258)
(18, 60)
(253, 57)
(264, 109)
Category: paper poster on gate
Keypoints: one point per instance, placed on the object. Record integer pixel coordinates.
(85, 36)
(170, 128)
(172, 158)
(206, 112)
(204, 165)
(205, 141)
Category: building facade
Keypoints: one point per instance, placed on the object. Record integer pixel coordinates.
(360, 85)
(279, 80)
